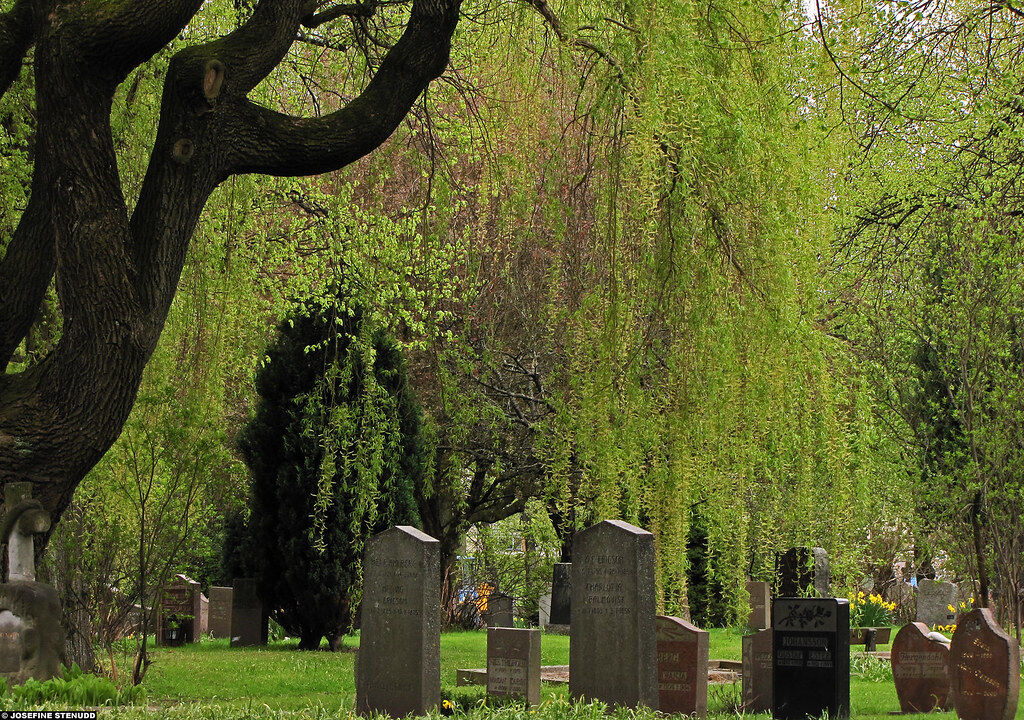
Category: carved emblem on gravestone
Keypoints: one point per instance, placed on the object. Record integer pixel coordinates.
(31, 637)
(811, 658)
(984, 667)
(920, 669)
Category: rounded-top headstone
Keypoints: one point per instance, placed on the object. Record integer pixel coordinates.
(920, 669)
(984, 665)
(612, 650)
(682, 666)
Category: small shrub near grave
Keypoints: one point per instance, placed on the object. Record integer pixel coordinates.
(870, 610)
(72, 688)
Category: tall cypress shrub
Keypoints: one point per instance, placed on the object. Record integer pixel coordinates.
(334, 452)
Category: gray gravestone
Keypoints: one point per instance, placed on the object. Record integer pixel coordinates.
(248, 618)
(810, 658)
(803, 572)
(760, 604)
(499, 611)
(31, 637)
(220, 611)
(513, 663)
(612, 648)
(934, 598)
(399, 662)
(544, 610)
(757, 672)
(561, 595)
(682, 666)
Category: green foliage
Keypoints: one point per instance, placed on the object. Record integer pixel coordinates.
(72, 688)
(336, 454)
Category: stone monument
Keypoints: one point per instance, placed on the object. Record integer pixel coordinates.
(934, 599)
(399, 663)
(757, 672)
(561, 598)
(682, 666)
(220, 611)
(802, 572)
(248, 617)
(984, 668)
(499, 611)
(811, 658)
(612, 650)
(31, 638)
(920, 669)
(760, 604)
(513, 663)
(182, 613)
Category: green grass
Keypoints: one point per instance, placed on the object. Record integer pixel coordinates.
(255, 682)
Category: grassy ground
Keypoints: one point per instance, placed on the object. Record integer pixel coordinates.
(280, 678)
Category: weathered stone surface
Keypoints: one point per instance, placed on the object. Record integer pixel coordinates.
(682, 666)
(561, 594)
(248, 617)
(499, 611)
(934, 599)
(513, 663)
(803, 572)
(920, 670)
(757, 672)
(544, 610)
(399, 663)
(760, 604)
(984, 666)
(220, 611)
(31, 638)
(811, 658)
(612, 648)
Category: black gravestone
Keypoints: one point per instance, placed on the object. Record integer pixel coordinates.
(561, 594)
(802, 572)
(811, 658)
(248, 618)
(612, 644)
(399, 661)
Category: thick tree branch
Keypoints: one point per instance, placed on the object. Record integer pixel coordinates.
(17, 33)
(331, 14)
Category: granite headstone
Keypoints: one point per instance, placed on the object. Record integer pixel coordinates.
(920, 669)
(399, 662)
(513, 663)
(682, 666)
(499, 611)
(934, 598)
(760, 604)
(612, 647)
(984, 668)
(811, 658)
(561, 594)
(248, 617)
(802, 572)
(757, 672)
(220, 611)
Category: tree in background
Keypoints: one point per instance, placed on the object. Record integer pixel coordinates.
(335, 450)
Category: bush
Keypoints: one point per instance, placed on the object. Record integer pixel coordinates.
(72, 688)
(870, 610)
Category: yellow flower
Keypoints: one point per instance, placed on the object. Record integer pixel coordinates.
(447, 705)
(951, 608)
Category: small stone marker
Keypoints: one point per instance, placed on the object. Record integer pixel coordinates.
(934, 598)
(513, 663)
(561, 594)
(760, 604)
(544, 610)
(248, 618)
(612, 649)
(920, 669)
(682, 666)
(757, 672)
(220, 611)
(499, 611)
(399, 662)
(811, 658)
(803, 572)
(984, 667)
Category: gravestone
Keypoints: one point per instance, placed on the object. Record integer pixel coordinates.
(920, 669)
(811, 658)
(513, 663)
(561, 594)
(934, 599)
(220, 611)
(757, 672)
(248, 618)
(544, 610)
(499, 611)
(802, 572)
(31, 638)
(682, 666)
(984, 667)
(760, 604)
(399, 661)
(181, 613)
(612, 650)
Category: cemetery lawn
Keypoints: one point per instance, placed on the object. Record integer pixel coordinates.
(280, 677)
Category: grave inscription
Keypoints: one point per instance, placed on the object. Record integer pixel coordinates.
(984, 666)
(811, 658)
